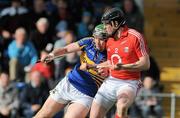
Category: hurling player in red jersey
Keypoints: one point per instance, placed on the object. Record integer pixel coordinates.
(127, 56)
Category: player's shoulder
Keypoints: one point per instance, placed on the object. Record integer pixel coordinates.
(86, 40)
(134, 33)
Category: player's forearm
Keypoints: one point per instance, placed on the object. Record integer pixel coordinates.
(142, 64)
(138, 66)
(59, 52)
(67, 49)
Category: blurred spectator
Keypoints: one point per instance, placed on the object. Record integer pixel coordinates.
(52, 12)
(34, 95)
(140, 4)
(22, 54)
(134, 18)
(51, 7)
(13, 17)
(85, 27)
(98, 11)
(147, 103)
(46, 69)
(38, 11)
(41, 37)
(67, 63)
(61, 28)
(75, 10)
(67, 39)
(4, 3)
(9, 102)
(64, 13)
(4, 59)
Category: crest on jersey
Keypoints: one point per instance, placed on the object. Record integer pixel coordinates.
(126, 49)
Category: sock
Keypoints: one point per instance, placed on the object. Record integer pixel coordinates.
(116, 116)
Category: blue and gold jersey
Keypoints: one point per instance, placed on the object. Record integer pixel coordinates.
(88, 81)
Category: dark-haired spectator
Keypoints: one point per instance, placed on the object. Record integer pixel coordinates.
(33, 95)
(9, 102)
(40, 37)
(22, 54)
(134, 18)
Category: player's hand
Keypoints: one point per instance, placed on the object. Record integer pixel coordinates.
(86, 66)
(117, 66)
(48, 58)
(104, 72)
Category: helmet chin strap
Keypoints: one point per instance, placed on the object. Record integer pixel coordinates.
(116, 29)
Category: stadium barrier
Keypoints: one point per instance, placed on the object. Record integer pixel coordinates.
(173, 98)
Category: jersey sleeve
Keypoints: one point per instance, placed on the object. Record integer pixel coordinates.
(140, 46)
(83, 43)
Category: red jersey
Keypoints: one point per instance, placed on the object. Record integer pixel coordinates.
(127, 49)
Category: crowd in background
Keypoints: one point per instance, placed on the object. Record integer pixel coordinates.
(30, 29)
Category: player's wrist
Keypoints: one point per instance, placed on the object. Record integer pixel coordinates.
(118, 66)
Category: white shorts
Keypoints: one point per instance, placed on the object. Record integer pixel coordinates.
(66, 93)
(111, 88)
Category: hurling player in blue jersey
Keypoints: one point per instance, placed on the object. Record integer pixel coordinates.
(80, 86)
